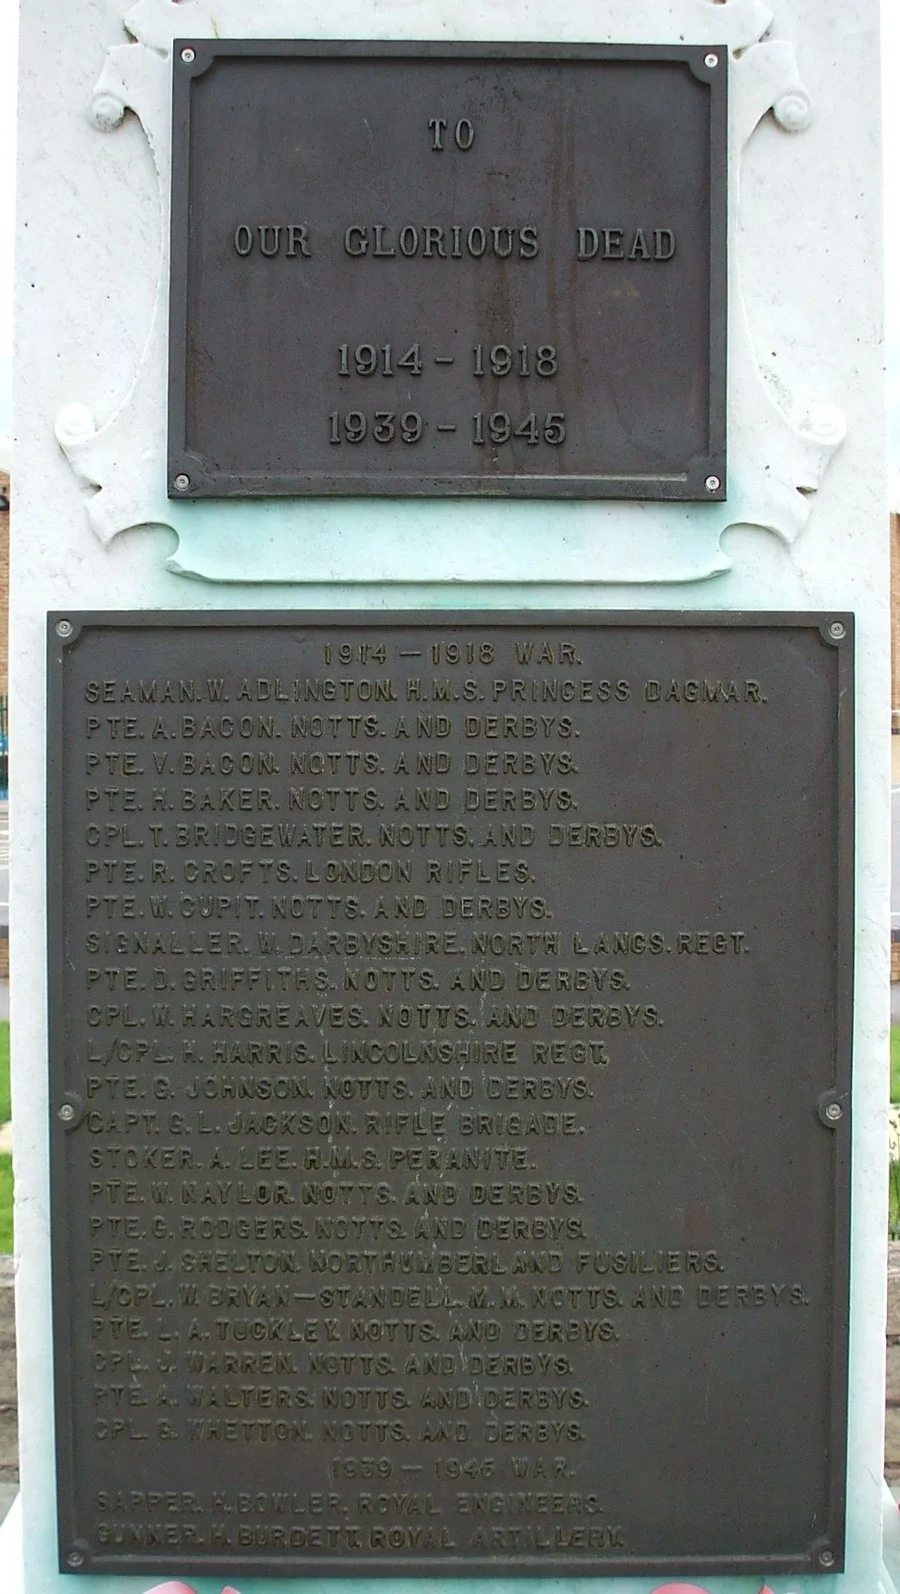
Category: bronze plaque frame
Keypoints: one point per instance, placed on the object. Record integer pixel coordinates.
(476, 204)
(574, 1305)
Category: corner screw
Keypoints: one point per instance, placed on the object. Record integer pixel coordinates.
(188, 56)
(713, 483)
(64, 628)
(834, 1112)
(75, 1558)
(827, 1558)
(837, 632)
(182, 482)
(711, 60)
(67, 1116)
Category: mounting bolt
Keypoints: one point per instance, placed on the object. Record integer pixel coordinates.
(188, 56)
(64, 628)
(827, 1558)
(834, 1112)
(836, 631)
(713, 483)
(75, 1558)
(67, 1116)
(182, 482)
(711, 60)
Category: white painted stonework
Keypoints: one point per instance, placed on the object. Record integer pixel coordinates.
(781, 438)
(805, 525)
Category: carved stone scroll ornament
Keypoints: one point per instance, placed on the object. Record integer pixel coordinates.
(778, 454)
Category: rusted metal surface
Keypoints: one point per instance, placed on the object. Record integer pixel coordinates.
(449, 1097)
(448, 269)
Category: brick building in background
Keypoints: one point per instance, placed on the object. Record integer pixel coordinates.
(896, 702)
(895, 641)
(4, 680)
(4, 589)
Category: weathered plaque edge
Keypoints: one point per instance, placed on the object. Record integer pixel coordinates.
(76, 1555)
(60, 1261)
(204, 482)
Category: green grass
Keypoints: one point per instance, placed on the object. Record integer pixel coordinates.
(6, 1206)
(894, 1188)
(6, 1173)
(894, 1201)
(5, 1108)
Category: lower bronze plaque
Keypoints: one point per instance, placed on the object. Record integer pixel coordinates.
(450, 1092)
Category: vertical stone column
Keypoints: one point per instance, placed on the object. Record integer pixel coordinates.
(798, 524)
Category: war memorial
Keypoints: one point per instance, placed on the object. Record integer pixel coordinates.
(450, 670)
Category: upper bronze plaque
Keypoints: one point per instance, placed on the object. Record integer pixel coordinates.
(450, 1084)
(448, 269)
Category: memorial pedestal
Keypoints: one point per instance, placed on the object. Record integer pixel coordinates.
(450, 964)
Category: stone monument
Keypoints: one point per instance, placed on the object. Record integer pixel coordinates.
(450, 657)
